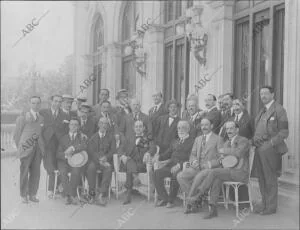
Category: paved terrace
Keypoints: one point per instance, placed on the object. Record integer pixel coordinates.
(138, 215)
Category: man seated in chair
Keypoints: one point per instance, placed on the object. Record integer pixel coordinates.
(238, 147)
(101, 148)
(203, 157)
(69, 144)
(178, 153)
(138, 151)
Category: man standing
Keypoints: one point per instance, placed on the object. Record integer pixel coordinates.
(106, 111)
(127, 124)
(203, 157)
(122, 108)
(88, 124)
(227, 114)
(176, 154)
(101, 148)
(192, 114)
(66, 105)
(212, 113)
(30, 144)
(54, 129)
(69, 144)
(238, 147)
(157, 110)
(271, 128)
(103, 96)
(167, 126)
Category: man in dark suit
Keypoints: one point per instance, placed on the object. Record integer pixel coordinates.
(54, 129)
(271, 129)
(203, 157)
(106, 111)
(176, 154)
(101, 148)
(212, 113)
(103, 96)
(167, 126)
(236, 146)
(192, 114)
(157, 110)
(122, 108)
(243, 119)
(127, 124)
(88, 124)
(133, 159)
(30, 144)
(66, 106)
(69, 144)
(227, 114)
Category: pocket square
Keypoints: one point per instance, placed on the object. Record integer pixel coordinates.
(272, 118)
(66, 121)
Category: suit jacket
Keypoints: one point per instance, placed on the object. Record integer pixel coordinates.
(194, 124)
(90, 127)
(28, 131)
(239, 148)
(113, 127)
(67, 117)
(166, 134)
(120, 114)
(97, 148)
(155, 115)
(80, 144)
(53, 127)
(126, 126)
(277, 127)
(215, 116)
(245, 126)
(135, 148)
(210, 151)
(178, 152)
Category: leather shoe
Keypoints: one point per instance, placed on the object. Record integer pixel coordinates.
(268, 212)
(24, 199)
(170, 205)
(258, 208)
(161, 203)
(212, 213)
(34, 199)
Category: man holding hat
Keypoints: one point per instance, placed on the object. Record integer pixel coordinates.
(101, 148)
(72, 143)
(88, 124)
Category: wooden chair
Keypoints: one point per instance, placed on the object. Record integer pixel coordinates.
(236, 186)
(56, 173)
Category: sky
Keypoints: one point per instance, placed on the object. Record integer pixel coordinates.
(46, 45)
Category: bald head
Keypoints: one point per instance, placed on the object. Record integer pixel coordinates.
(135, 105)
(103, 124)
(157, 97)
(183, 128)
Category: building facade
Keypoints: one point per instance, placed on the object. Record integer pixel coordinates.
(185, 47)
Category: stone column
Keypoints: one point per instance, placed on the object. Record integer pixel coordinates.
(153, 46)
(291, 85)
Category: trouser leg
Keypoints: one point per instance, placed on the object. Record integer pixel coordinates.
(63, 168)
(34, 172)
(75, 180)
(269, 161)
(174, 187)
(91, 175)
(198, 179)
(159, 176)
(185, 179)
(131, 168)
(24, 172)
(106, 178)
(50, 161)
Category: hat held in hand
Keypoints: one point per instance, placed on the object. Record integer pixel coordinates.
(78, 159)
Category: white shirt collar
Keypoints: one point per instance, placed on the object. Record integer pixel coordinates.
(34, 114)
(269, 104)
(158, 106)
(231, 142)
(208, 135)
(211, 108)
(101, 134)
(65, 111)
(71, 134)
(53, 111)
(239, 115)
(185, 137)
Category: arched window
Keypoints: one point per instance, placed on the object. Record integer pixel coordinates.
(129, 21)
(98, 41)
(176, 53)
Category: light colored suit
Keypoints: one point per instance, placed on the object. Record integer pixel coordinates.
(190, 178)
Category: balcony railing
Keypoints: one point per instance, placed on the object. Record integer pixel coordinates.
(7, 142)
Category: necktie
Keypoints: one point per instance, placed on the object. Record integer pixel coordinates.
(155, 109)
(107, 117)
(135, 117)
(229, 144)
(73, 137)
(83, 123)
(236, 118)
(203, 143)
(171, 119)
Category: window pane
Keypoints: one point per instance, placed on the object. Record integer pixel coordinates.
(98, 34)
(97, 71)
(128, 24)
(178, 8)
(128, 76)
(168, 72)
(241, 59)
(260, 61)
(278, 55)
(241, 5)
(169, 11)
(179, 72)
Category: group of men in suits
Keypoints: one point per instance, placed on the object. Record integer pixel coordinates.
(201, 137)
